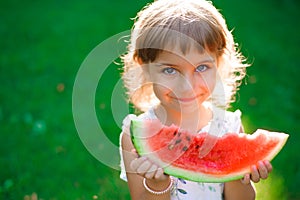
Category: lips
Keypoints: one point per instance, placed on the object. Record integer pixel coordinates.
(186, 99)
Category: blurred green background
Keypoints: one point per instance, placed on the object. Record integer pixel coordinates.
(43, 44)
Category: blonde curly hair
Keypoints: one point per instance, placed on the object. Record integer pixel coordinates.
(164, 24)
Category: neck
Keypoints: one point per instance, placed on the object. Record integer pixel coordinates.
(191, 121)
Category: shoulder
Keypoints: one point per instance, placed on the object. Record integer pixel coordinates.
(125, 141)
(233, 117)
(233, 121)
(225, 115)
(226, 121)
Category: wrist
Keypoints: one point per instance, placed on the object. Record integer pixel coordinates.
(158, 187)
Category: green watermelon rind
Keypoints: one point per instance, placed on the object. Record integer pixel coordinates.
(137, 129)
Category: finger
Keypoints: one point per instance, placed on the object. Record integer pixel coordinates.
(143, 167)
(262, 169)
(135, 163)
(150, 174)
(160, 175)
(135, 153)
(246, 179)
(268, 165)
(254, 174)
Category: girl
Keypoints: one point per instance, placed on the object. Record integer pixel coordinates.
(182, 67)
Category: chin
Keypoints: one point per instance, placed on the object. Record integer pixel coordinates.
(188, 108)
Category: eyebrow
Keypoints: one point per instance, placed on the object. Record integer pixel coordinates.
(199, 63)
(164, 64)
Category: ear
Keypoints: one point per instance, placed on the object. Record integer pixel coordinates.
(219, 61)
(139, 61)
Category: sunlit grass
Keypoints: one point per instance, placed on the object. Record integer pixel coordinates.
(272, 188)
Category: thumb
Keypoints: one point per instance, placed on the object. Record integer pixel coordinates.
(134, 151)
(246, 179)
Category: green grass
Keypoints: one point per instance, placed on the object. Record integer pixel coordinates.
(43, 45)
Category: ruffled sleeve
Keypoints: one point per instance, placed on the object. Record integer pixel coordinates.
(234, 121)
(125, 130)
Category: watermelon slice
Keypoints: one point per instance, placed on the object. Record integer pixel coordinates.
(177, 151)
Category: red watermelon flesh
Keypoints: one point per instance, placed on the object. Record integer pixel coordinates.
(178, 151)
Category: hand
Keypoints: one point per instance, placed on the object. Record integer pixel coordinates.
(259, 171)
(147, 169)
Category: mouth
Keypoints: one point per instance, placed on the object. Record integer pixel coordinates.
(187, 99)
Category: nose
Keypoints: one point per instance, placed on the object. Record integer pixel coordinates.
(192, 82)
(186, 83)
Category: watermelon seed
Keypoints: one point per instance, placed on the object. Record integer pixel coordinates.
(175, 132)
(185, 148)
(178, 141)
(188, 138)
(197, 146)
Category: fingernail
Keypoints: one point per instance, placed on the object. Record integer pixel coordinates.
(266, 162)
(259, 162)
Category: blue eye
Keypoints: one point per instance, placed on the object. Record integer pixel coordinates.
(201, 68)
(169, 70)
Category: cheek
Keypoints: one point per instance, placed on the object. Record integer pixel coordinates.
(212, 80)
(162, 83)
(160, 89)
(207, 82)
(211, 84)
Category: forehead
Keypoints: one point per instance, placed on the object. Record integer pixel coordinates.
(192, 56)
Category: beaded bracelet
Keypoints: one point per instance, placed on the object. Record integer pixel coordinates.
(158, 192)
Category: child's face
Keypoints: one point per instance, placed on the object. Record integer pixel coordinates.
(182, 82)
